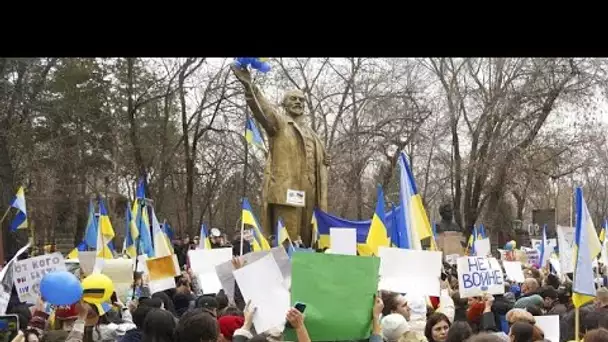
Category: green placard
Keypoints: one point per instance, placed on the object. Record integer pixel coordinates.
(338, 291)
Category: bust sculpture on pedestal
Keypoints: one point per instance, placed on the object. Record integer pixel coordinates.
(295, 176)
(450, 238)
(447, 224)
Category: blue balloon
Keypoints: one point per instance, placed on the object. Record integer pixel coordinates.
(60, 288)
(264, 67)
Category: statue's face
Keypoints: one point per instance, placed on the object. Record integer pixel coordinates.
(446, 212)
(293, 102)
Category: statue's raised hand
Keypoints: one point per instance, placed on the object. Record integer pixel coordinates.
(242, 74)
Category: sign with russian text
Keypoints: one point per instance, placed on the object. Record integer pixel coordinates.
(479, 275)
(28, 273)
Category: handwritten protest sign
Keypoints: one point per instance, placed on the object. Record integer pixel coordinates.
(28, 273)
(532, 255)
(565, 238)
(6, 279)
(479, 275)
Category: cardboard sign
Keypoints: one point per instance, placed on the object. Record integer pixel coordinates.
(28, 273)
(532, 255)
(552, 243)
(478, 276)
(450, 243)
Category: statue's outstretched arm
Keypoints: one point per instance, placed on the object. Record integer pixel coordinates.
(263, 111)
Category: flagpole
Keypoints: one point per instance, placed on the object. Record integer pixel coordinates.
(5, 213)
(577, 319)
(571, 222)
(244, 178)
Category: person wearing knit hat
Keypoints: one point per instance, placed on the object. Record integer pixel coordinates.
(395, 328)
(229, 324)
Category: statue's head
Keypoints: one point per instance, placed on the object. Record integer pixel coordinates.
(446, 212)
(293, 102)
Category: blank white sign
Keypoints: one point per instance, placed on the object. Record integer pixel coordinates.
(410, 271)
(343, 241)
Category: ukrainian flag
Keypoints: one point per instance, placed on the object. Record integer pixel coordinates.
(82, 246)
(377, 235)
(204, 242)
(105, 233)
(140, 228)
(130, 246)
(471, 244)
(259, 241)
(90, 235)
(413, 221)
(20, 220)
(252, 134)
(604, 253)
(586, 248)
(282, 235)
(161, 241)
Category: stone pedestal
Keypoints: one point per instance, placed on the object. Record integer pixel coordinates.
(451, 243)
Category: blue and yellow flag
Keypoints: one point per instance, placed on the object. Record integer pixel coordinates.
(105, 233)
(141, 189)
(377, 235)
(204, 242)
(162, 246)
(140, 228)
(413, 221)
(129, 247)
(259, 241)
(252, 134)
(282, 235)
(586, 248)
(471, 243)
(20, 220)
(90, 235)
(82, 247)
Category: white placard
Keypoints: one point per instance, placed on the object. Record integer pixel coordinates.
(565, 238)
(28, 273)
(533, 255)
(482, 247)
(513, 271)
(261, 283)
(224, 270)
(343, 241)
(410, 271)
(537, 242)
(296, 198)
(161, 285)
(556, 266)
(550, 326)
(87, 262)
(478, 276)
(203, 262)
(6, 278)
(452, 259)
